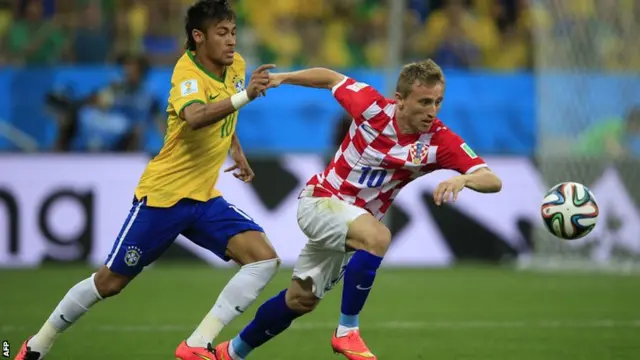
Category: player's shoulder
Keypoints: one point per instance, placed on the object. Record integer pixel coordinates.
(357, 89)
(186, 67)
(352, 84)
(238, 60)
(238, 67)
(441, 132)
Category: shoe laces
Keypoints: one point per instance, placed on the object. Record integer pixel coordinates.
(357, 339)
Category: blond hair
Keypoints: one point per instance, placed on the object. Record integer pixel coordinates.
(426, 72)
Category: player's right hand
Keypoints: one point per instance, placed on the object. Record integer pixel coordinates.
(447, 191)
(259, 81)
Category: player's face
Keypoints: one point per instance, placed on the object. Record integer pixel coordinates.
(421, 105)
(220, 42)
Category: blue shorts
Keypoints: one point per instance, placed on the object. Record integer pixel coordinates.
(149, 231)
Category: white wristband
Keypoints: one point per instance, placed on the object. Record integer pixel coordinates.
(240, 99)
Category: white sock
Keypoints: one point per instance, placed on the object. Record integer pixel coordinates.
(344, 330)
(74, 304)
(232, 352)
(208, 329)
(241, 291)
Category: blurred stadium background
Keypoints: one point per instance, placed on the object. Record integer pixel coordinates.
(545, 90)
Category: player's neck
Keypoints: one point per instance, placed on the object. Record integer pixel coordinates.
(403, 126)
(210, 66)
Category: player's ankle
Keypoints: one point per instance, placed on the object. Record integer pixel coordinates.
(343, 330)
(196, 342)
(349, 321)
(239, 349)
(44, 339)
(208, 329)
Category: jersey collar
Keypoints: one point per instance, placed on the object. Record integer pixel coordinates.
(405, 139)
(210, 74)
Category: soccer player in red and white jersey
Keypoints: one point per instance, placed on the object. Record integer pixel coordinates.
(391, 142)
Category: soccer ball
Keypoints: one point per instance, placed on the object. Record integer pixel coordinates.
(569, 210)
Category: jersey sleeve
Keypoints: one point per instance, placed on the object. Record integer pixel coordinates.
(186, 88)
(455, 154)
(360, 100)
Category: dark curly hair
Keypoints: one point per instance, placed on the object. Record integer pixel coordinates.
(204, 13)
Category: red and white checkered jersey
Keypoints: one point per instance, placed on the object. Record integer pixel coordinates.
(376, 160)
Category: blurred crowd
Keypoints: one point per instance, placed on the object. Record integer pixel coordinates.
(493, 34)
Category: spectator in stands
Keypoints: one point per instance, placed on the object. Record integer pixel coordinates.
(163, 35)
(514, 51)
(615, 30)
(137, 23)
(613, 137)
(33, 39)
(139, 105)
(632, 134)
(92, 38)
(456, 48)
(48, 7)
(124, 116)
(6, 16)
(453, 37)
(335, 33)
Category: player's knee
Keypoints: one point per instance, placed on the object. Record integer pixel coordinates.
(251, 247)
(268, 262)
(300, 297)
(377, 242)
(302, 302)
(369, 234)
(109, 283)
(265, 269)
(268, 253)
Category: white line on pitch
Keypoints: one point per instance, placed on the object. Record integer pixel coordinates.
(400, 325)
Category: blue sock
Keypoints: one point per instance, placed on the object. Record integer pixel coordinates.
(358, 280)
(272, 318)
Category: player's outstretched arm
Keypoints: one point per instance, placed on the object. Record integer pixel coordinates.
(315, 77)
(483, 180)
(199, 115)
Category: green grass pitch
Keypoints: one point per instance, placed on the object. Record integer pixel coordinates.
(463, 313)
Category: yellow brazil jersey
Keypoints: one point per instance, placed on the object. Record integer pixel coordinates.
(190, 160)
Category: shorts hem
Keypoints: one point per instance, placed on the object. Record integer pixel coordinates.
(255, 227)
(319, 294)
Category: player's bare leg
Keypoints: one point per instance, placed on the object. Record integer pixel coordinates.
(272, 318)
(78, 300)
(371, 239)
(259, 262)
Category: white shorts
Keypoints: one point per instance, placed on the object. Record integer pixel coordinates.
(325, 221)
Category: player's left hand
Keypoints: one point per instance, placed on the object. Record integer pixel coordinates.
(244, 171)
(448, 190)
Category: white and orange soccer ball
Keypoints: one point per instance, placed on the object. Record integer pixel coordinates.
(570, 210)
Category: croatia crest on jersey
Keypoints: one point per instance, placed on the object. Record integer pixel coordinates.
(418, 152)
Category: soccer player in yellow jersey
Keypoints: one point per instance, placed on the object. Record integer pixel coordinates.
(177, 195)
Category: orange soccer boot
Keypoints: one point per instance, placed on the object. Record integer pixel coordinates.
(186, 352)
(25, 352)
(352, 346)
(222, 351)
